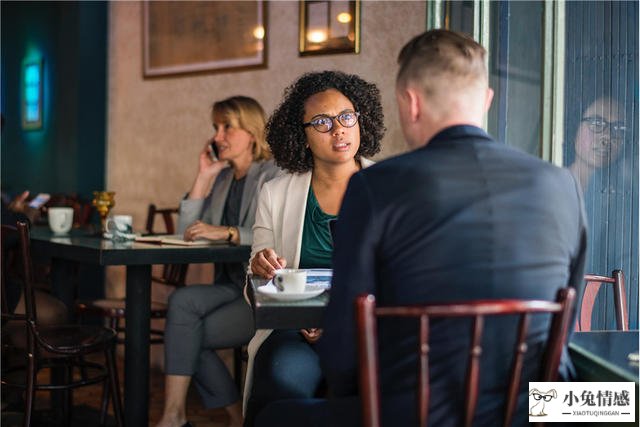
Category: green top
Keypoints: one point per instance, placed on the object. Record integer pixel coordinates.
(317, 246)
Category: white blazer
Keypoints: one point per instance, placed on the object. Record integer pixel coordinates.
(279, 224)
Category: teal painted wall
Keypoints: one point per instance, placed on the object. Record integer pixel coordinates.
(68, 154)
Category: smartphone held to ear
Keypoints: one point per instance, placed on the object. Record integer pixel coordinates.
(214, 151)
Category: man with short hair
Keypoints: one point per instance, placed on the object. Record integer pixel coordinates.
(460, 217)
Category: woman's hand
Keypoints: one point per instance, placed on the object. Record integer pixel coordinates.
(206, 164)
(208, 170)
(311, 335)
(200, 230)
(266, 262)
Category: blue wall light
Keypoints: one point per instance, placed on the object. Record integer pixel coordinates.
(32, 91)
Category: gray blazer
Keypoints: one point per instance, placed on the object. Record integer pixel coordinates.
(210, 209)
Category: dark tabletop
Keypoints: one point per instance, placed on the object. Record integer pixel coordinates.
(82, 246)
(604, 355)
(272, 314)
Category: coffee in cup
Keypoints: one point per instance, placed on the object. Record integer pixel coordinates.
(60, 219)
(290, 280)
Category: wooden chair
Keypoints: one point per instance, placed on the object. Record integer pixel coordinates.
(592, 287)
(52, 346)
(172, 275)
(367, 314)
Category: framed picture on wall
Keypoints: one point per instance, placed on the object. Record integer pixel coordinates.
(187, 37)
(329, 27)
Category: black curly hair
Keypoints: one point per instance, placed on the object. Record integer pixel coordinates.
(285, 133)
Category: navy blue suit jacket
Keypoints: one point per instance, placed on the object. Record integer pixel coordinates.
(461, 218)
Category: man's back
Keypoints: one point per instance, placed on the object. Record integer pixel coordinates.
(462, 218)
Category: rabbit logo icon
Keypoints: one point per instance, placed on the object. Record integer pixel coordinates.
(537, 400)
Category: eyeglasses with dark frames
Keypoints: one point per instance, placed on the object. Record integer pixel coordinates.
(545, 397)
(324, 123)
(599, 125)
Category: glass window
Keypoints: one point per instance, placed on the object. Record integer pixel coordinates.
(515, 73)
(601, 139)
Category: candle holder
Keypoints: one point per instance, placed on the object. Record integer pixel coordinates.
(103, 202)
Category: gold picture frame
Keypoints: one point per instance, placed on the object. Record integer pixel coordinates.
(194, 36)
(329, 26)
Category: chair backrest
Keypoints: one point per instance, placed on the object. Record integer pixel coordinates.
(8, 251)
(82, 212)
(167, 216)
(172, 274)
(20, 233)
(367, 314)
(591, 289)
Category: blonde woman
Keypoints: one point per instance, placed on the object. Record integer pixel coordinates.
(220, 205)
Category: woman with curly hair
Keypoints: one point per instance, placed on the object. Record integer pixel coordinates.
(322, 132)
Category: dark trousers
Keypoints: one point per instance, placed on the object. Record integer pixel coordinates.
(286, 367)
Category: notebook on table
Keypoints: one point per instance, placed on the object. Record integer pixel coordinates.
(176, 239)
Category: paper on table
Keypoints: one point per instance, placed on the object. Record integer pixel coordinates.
(316, 278)
(319, 277)
(176, 239)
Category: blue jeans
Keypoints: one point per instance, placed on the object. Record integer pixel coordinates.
(286, 366)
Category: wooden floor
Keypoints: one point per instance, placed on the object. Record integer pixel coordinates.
(87, 401)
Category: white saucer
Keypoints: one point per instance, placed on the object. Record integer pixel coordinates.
(123, 236)
(272, 292)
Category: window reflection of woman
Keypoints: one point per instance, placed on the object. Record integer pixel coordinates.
(598, 140)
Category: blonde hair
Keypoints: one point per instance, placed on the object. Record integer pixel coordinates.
(245, 113)
(442, 61)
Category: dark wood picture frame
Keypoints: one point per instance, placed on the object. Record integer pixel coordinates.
(191, 37)
(329, 26)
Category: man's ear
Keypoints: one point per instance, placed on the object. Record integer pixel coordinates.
(488, 97)
(414, 102)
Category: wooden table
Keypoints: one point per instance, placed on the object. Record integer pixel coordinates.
(271, 314)
(79, 247)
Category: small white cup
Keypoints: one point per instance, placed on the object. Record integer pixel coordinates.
(290, 280)
(121, 223)
(119, 226)
(60, 219)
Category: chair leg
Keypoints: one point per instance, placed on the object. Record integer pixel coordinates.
(31, 389)
(110, 354)
(67, 406)
(104, 406)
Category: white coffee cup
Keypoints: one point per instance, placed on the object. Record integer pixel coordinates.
(290, 280)
(121, 223)
(119, 227)
(60, 219)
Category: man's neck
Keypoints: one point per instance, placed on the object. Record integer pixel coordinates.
(431, 130)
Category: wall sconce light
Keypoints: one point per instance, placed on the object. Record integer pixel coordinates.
(32, 91)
